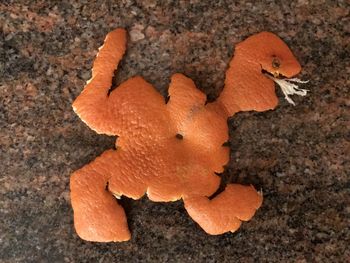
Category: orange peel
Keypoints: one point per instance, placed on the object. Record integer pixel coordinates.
(172, 150)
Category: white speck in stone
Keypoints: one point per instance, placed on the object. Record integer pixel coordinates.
(136, 33)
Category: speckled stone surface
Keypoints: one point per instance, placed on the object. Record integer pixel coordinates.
(298, 155)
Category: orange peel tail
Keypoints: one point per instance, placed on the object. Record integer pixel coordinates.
(109, 55)
(225, 212)
(91, 104)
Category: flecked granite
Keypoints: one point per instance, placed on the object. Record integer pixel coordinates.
(299, 156)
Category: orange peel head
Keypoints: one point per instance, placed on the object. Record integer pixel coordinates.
(167, 150)
(246, 87)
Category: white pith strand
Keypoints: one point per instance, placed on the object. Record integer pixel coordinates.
(290, 88)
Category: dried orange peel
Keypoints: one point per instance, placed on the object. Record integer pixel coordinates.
(172, 150)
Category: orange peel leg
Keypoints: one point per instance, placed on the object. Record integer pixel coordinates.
(97, 214)
(226, 211)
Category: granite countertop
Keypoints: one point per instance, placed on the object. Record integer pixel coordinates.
(299, 156)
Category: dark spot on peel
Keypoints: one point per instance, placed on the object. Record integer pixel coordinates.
(179, 136)
(276, 63)
(226, 144)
